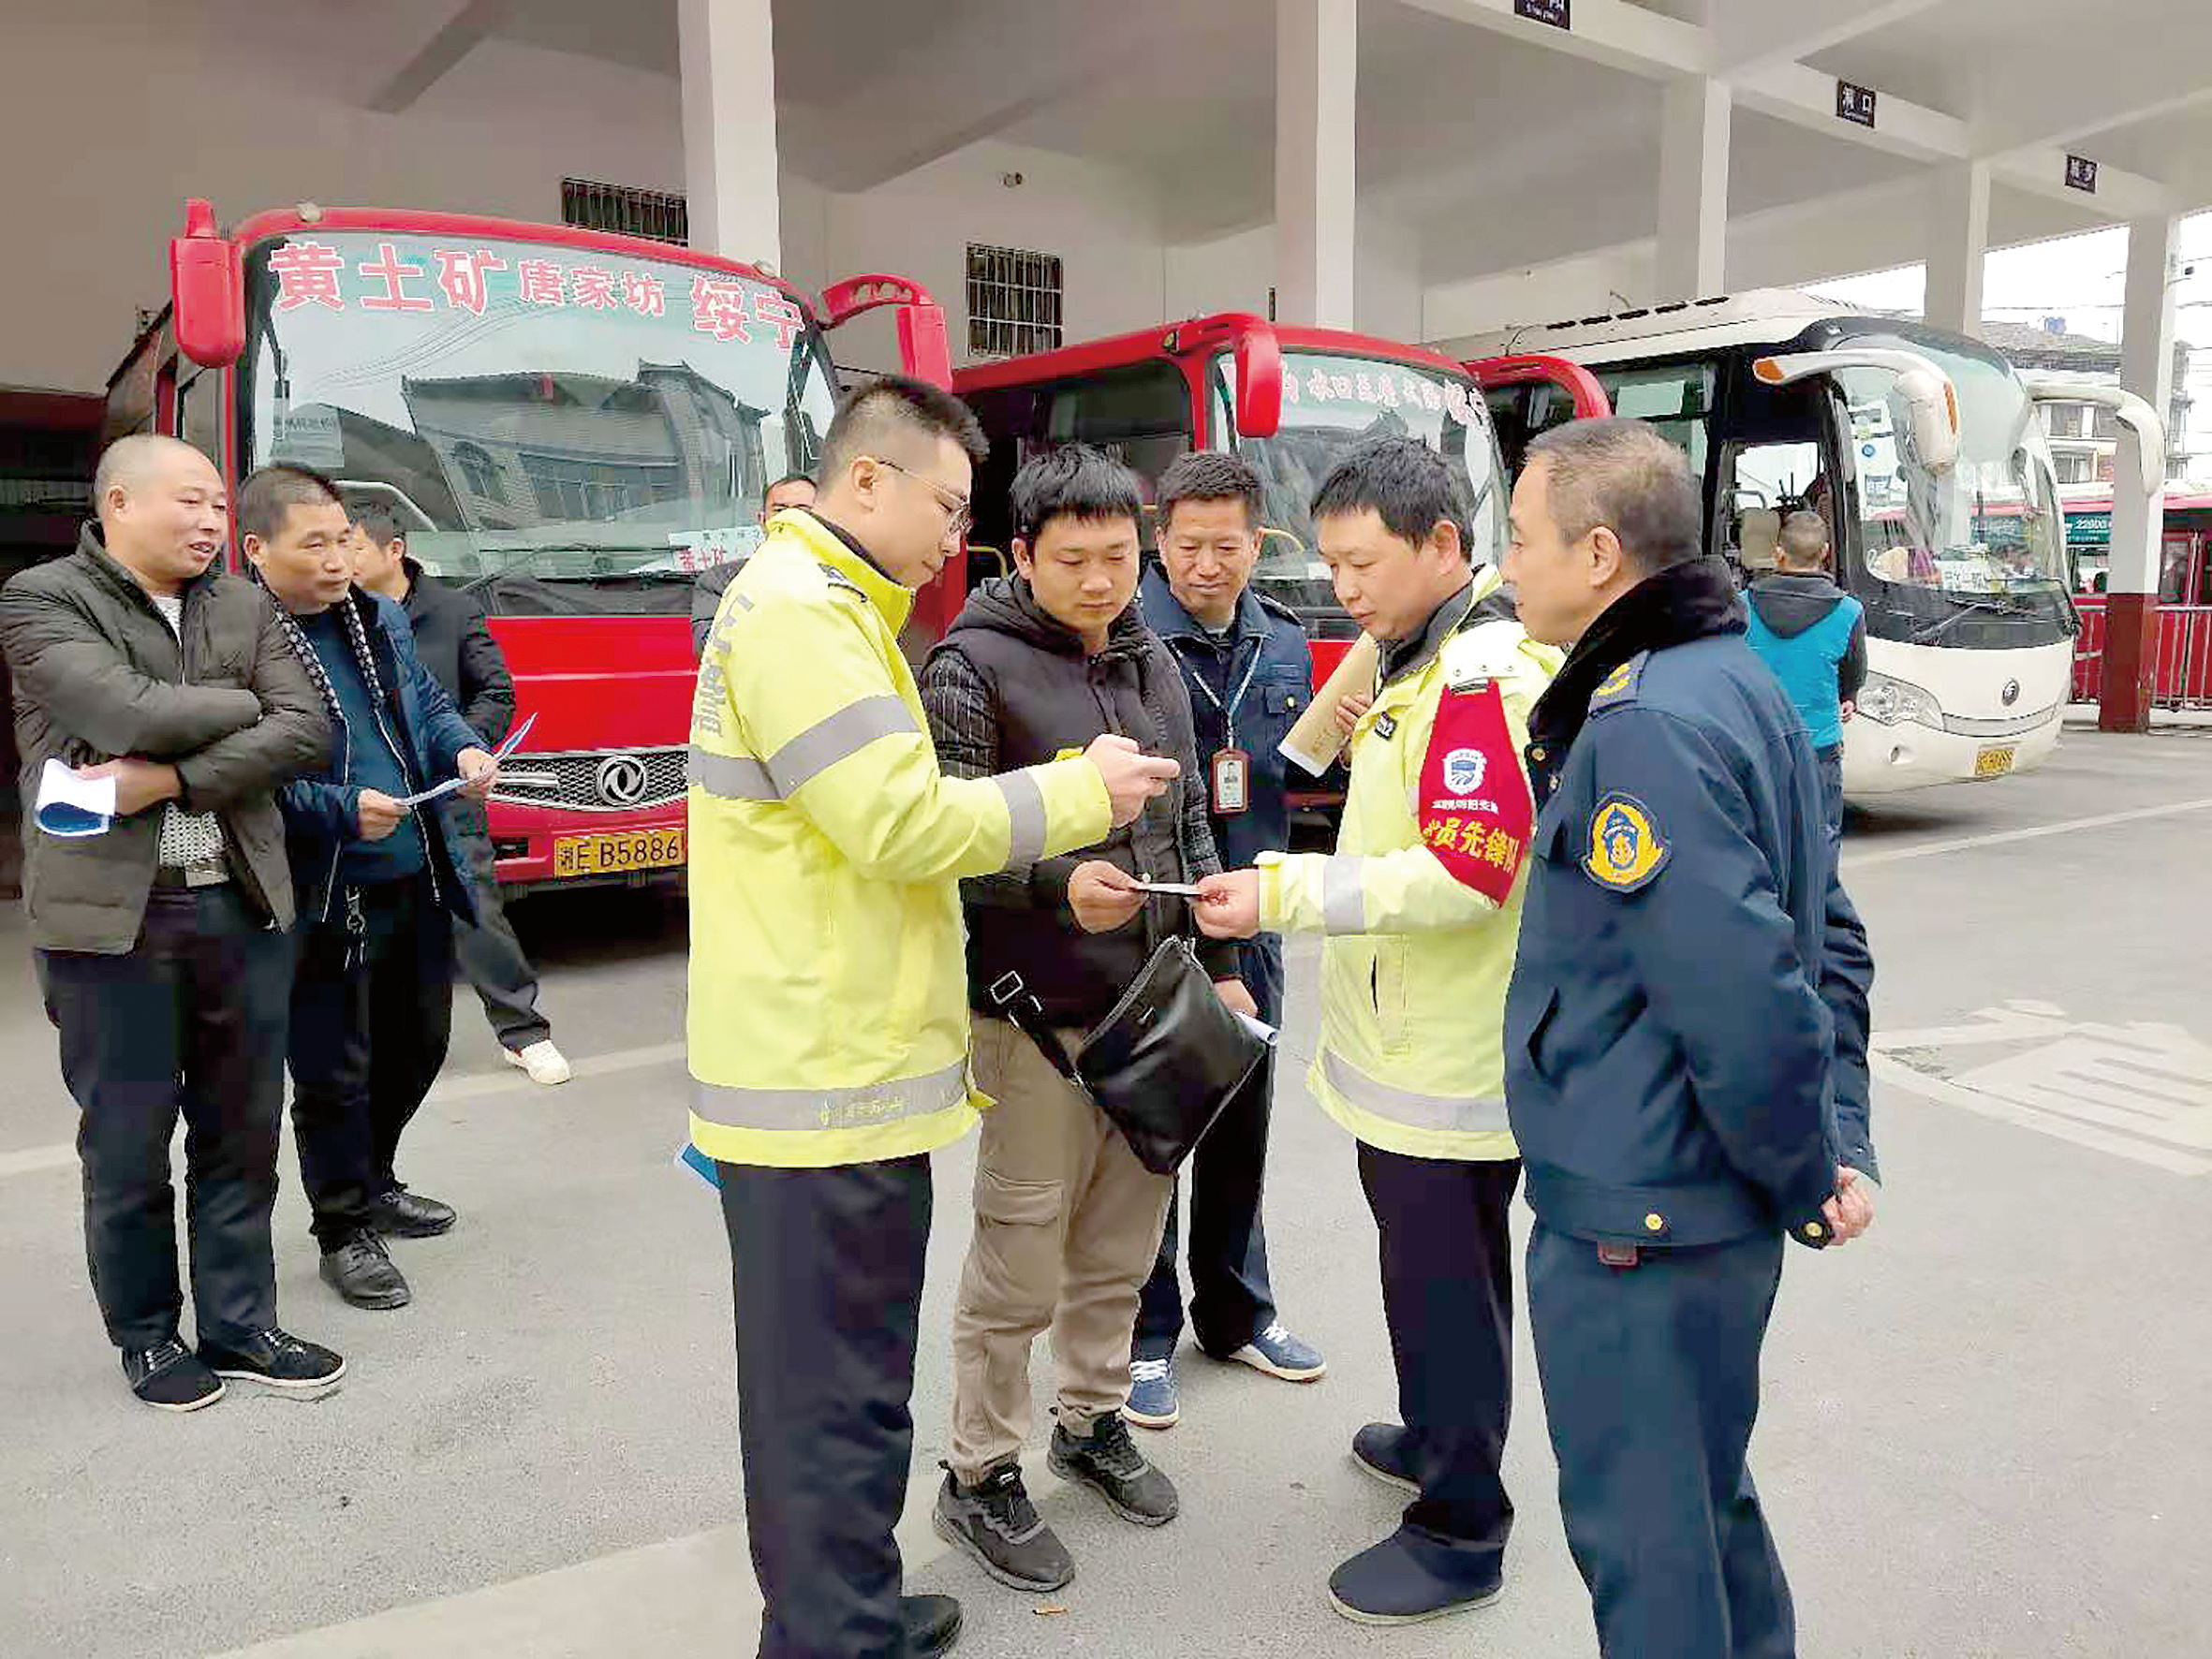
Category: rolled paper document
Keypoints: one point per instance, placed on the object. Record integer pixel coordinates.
(1315, 742)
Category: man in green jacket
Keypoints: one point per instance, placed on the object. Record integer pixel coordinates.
(161, 940)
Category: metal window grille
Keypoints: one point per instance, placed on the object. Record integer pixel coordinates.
(1013, 302)
(655, 214)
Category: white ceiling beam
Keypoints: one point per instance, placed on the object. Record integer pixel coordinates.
(1608, 32)
(1759, 34)
(2121, 195)
(2107, 75)
(464, 32)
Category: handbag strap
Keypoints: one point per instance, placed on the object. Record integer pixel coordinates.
(1010, 996)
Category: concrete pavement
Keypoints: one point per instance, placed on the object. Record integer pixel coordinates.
(1984, 1431)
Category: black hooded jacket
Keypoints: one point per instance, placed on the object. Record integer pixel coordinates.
(1009, 687)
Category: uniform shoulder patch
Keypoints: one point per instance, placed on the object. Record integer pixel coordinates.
(1627, 847)
(1618, 688)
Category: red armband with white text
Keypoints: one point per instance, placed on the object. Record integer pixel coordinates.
(1475, 806)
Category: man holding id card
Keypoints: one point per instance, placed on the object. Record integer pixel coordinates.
(1244, 658)
(1421, 905)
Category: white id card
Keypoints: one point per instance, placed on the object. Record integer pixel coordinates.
(1233, 782)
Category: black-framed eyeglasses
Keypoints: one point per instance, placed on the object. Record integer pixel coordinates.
(957, 509)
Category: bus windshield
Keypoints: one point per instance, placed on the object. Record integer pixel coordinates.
(1330, 403)
(1974, 556)
(568, 430)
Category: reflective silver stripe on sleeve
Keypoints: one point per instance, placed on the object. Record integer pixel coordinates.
(1024, 810)
(730, 776)
(1344, 901)
(1454, 1114)
(868, 1106)
(833, 737)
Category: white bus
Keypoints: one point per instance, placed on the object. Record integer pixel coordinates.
(1925, 451)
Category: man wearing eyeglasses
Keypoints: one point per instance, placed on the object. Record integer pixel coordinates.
(828, 1024)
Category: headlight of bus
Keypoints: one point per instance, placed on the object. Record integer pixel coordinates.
(1898, 702)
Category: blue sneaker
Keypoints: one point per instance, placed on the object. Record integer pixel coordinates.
(1153, 1400)
(1279, 1354)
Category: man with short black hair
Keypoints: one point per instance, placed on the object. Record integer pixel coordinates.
(1685, 1041)
(792, 489)
(453, 638)
(1813, 636)
(1244, 658)
(1418, 908)
(1067, 1219)
(829, 1032)
(160, 941)
(378, 881)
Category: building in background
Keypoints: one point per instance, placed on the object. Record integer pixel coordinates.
(2085, 439)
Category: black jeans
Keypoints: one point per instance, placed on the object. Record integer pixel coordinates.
(1447, 1297)
(826, 1278)
(1831, 764)
(1230, 1298)
(491, 959)
(370, 1025)
(190, 1022)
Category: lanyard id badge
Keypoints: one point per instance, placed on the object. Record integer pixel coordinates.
(1233, 782)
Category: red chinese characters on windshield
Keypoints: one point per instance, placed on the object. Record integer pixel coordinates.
(477, 281)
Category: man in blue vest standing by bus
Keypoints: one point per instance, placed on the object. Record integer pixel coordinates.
(1245, 658)
(1684, 1042)
(1813, 636)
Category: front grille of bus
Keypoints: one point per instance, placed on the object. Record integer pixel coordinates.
(573, 781)
(2009, 726)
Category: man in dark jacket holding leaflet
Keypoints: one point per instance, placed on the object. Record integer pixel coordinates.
(1068, 1220)
(160, 941)
(454, 640)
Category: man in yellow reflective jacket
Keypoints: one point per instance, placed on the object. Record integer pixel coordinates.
(1421, 905)
(828, 1022)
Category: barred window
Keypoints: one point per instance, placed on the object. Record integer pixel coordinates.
(653, 215)
(1013, 302)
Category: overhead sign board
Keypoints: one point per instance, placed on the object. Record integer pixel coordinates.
(1552, 12)
(1854, 103)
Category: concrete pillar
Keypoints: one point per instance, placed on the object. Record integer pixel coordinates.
(1316, 56)
(728, 48)
(1693, 190)
(2138, 519)
(1958, 247)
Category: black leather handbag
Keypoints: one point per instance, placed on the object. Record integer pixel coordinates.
(1162, 1064)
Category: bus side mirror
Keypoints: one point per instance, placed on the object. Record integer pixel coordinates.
(926, 350)
(1259, 383)
(2131, 411)
(207, 290)
(1931, 401)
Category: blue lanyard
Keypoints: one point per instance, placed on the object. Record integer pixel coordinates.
(1227, 712)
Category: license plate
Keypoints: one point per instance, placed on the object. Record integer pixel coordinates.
(1993, 763)
(612, 855)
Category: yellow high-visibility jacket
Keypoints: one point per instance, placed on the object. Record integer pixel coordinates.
(828, 1020)
(1414, 971)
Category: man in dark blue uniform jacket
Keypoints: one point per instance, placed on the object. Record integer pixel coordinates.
(1684, 1042)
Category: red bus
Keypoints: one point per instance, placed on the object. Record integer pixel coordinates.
(1290, 401)
(570, 424)
(2183, 677)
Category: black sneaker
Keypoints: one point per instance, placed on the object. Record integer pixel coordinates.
(168, 1377)
(361, 1271)
(994, 1523)
(1110, 1461)
(1385, 1451)
(1389, 1584)
(401, 1214)
(932, 1623)
(275, 1359)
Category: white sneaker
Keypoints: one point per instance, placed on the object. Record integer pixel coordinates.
(545, 1063)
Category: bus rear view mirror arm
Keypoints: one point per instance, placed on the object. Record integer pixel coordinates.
(1931, 401)
(2131, 411)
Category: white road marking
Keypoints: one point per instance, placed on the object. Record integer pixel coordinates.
(2003, 837)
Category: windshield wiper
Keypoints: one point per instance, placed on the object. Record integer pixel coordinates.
(1934, 631)
(515, 557)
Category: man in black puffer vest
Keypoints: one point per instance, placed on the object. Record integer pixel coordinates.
(1068, 1220)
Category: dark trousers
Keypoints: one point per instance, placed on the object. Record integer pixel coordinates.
(491, 959)
(826, 1278)
(1447, 1297)
(1230, 1299)
(371, 1015)
(191, 1022)
(1831, 762)
(1651, 1383)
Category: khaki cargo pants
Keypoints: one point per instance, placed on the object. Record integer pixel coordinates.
(1067, 1222)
